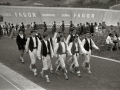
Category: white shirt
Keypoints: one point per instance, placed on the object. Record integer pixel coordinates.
(76, 44)
(21, 35)
(93, 44)
(109, 40)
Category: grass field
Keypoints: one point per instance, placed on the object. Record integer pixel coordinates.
(105, 76)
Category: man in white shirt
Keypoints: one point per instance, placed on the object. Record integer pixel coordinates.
(88, 44)
(75, 48)
(32, 45)
(109, 41)
(46, 55)
(52, 39)
(62, 51)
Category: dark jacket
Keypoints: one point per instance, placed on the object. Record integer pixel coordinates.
(21, 42)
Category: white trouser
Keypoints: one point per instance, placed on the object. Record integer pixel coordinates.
(33, 56)
(61, 59)
(87, 57)
(74, 60)
(47, 62)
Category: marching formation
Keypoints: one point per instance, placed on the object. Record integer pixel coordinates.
(51, 45)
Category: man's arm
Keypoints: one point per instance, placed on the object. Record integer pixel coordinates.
(56, 48)
(55, 35)
(27, 43)
(39, 49)
(68, 38)
(93, 45)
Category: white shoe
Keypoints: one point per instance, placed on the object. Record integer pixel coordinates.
(35, 74)
(48, 81)
(89, 72)
(23, 61)
(57, 72)
(71, 71)
(66, 77)
(21, 58)
(51, 71)
(79, 75)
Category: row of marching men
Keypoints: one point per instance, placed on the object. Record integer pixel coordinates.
(57, 45)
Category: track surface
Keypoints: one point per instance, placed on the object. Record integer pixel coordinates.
(4, 84)
(105, 74)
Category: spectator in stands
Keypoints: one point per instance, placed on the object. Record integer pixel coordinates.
(9, 27)
(118, 28)
(44, 26)
(84, 29)
(104, 28)
(100, 29)
(54, 27)
(13, 31)
(71, 27)
(22, 26)
(116, 40)
(78, 29)
(96, 28)
(87, 27)
(92, 29)
(81, 29)
(109, 41)
(34, 26)
(63, 27)
(17, 27)
(111, 30)
(6, 28)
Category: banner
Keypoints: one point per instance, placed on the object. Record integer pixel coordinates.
(18, 14)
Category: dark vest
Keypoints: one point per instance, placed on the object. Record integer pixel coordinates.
(44, 51)
(58, 39)
(73, 49)
(87, 46)
(31, 44)
(71, 38)
(60, 49)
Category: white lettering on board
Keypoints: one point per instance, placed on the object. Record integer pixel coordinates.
(83, 15)
(25, 14)
(65, 15)
(48, 15)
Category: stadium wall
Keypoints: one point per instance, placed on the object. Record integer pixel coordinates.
(18, 14)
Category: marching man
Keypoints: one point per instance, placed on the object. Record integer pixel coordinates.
(88, 44)
(62, 50)
(46, 55)
(76, 49)
(32, 46)
(21, 41)
(71, 36)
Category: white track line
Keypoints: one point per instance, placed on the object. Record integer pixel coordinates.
(106, 58)
(10, 82)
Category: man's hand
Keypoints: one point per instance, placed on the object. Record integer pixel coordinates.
(98, 49)
(39, 59)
